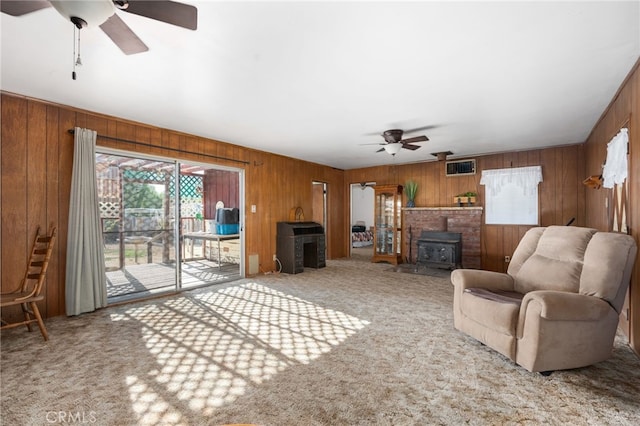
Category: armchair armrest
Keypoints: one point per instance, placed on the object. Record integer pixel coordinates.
(564, 306)
(476, 278)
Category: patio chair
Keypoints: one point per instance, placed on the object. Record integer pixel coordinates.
(30, 289)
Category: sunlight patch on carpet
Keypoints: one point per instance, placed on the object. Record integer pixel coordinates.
(210, 346)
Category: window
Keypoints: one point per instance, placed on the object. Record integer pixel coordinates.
(511, 195)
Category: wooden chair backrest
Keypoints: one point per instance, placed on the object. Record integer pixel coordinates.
(38, 262)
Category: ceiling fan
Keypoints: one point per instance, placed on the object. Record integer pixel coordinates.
(102, 13)
(393, 141)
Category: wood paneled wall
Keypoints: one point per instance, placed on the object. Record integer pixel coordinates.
(36, 162)
(624, 111)
(561, 193)
(34, 191)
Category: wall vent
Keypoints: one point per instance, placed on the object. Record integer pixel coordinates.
(461, 167)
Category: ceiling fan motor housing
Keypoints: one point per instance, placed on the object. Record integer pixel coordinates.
(393, 135)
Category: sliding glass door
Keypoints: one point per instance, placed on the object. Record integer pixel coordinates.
(210, 247)
(167, 225)
(137, 203)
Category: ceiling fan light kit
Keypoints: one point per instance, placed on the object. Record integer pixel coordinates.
(393, 148)
(92, 13)
(83, 14)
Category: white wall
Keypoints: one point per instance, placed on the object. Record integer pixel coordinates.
(362, 204)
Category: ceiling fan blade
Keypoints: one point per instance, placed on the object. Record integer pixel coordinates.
(375, 143)
(122, 36)
(411, 147)
(380, 150)
(19, 8)
(415, 139)
(171, 12)
(418, 129)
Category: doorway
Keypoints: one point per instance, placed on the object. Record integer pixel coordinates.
(362, 220)
(319, 206)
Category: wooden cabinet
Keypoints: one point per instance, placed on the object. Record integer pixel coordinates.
(388, 224)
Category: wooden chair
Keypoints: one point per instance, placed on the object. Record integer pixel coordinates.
(30, 288)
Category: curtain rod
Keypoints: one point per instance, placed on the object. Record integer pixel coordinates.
(72, 131)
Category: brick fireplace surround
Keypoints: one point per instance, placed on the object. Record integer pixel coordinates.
(466, 220)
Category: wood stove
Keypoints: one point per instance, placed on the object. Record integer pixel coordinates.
(439, 249)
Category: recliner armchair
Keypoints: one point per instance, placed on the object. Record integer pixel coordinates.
(558, 305)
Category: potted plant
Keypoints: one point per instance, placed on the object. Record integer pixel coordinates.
(465, 198)
(410, 189)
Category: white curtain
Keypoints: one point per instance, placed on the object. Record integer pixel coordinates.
(85, 287)
(525, 178)
(615, 169)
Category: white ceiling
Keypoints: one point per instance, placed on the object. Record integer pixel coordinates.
(316, 80)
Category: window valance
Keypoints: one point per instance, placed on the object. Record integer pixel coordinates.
(525, 178)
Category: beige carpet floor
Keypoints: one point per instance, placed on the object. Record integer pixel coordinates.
(354, 343)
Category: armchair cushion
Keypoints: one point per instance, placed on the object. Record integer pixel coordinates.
(556, 263)
(500, 296)
(498, 315)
